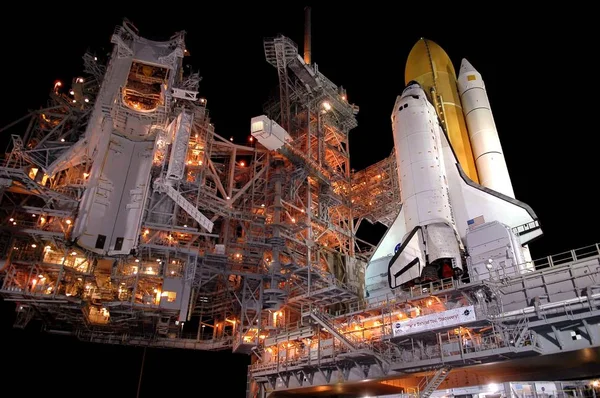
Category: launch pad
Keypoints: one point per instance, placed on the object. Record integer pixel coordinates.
(129, 220)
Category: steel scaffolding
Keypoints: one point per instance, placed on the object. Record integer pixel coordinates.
(245, 248)
(254, 232)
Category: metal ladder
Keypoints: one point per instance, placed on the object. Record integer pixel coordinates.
(327, 324)
(427, 386)
(520, 333)
(182, 202)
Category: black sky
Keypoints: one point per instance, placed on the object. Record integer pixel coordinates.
(539, 75)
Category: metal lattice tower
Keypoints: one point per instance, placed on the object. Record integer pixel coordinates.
(236, 246)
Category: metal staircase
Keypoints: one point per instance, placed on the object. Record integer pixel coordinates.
(322, 320)
(428, 385)
(161, 186)
(520, 334)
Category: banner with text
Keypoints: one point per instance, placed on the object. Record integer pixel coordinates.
(453, 317)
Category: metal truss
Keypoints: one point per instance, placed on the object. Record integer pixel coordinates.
(262, 242)
(281, 236)
(517, 316)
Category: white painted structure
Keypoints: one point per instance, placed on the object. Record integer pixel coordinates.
(487, 150)
(428, 219)
(270, 134)
(440, 204)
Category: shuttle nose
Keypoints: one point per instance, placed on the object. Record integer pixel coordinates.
(465, 67)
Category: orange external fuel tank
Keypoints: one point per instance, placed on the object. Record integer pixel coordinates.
(429, 65)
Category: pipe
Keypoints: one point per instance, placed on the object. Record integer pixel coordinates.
(307, 36)
(531, 309)
(18, 300)
(60, 332)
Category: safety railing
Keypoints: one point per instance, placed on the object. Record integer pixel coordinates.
(498, 273)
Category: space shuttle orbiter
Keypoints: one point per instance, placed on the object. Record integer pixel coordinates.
(458, 203)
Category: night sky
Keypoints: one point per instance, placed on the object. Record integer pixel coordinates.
(538, 74)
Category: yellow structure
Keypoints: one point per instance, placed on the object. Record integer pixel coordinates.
(429, 65)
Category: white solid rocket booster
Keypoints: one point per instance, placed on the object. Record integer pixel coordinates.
(487, 150)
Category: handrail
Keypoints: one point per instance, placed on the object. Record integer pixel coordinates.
(425, 290)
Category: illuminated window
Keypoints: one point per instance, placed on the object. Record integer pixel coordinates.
(171, 296)
(33, 172)
(471, 77)
(257, 126)
(144, 89)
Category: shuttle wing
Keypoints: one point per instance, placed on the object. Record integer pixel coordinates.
(376, 274)
(409, 260)
(471, 200)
